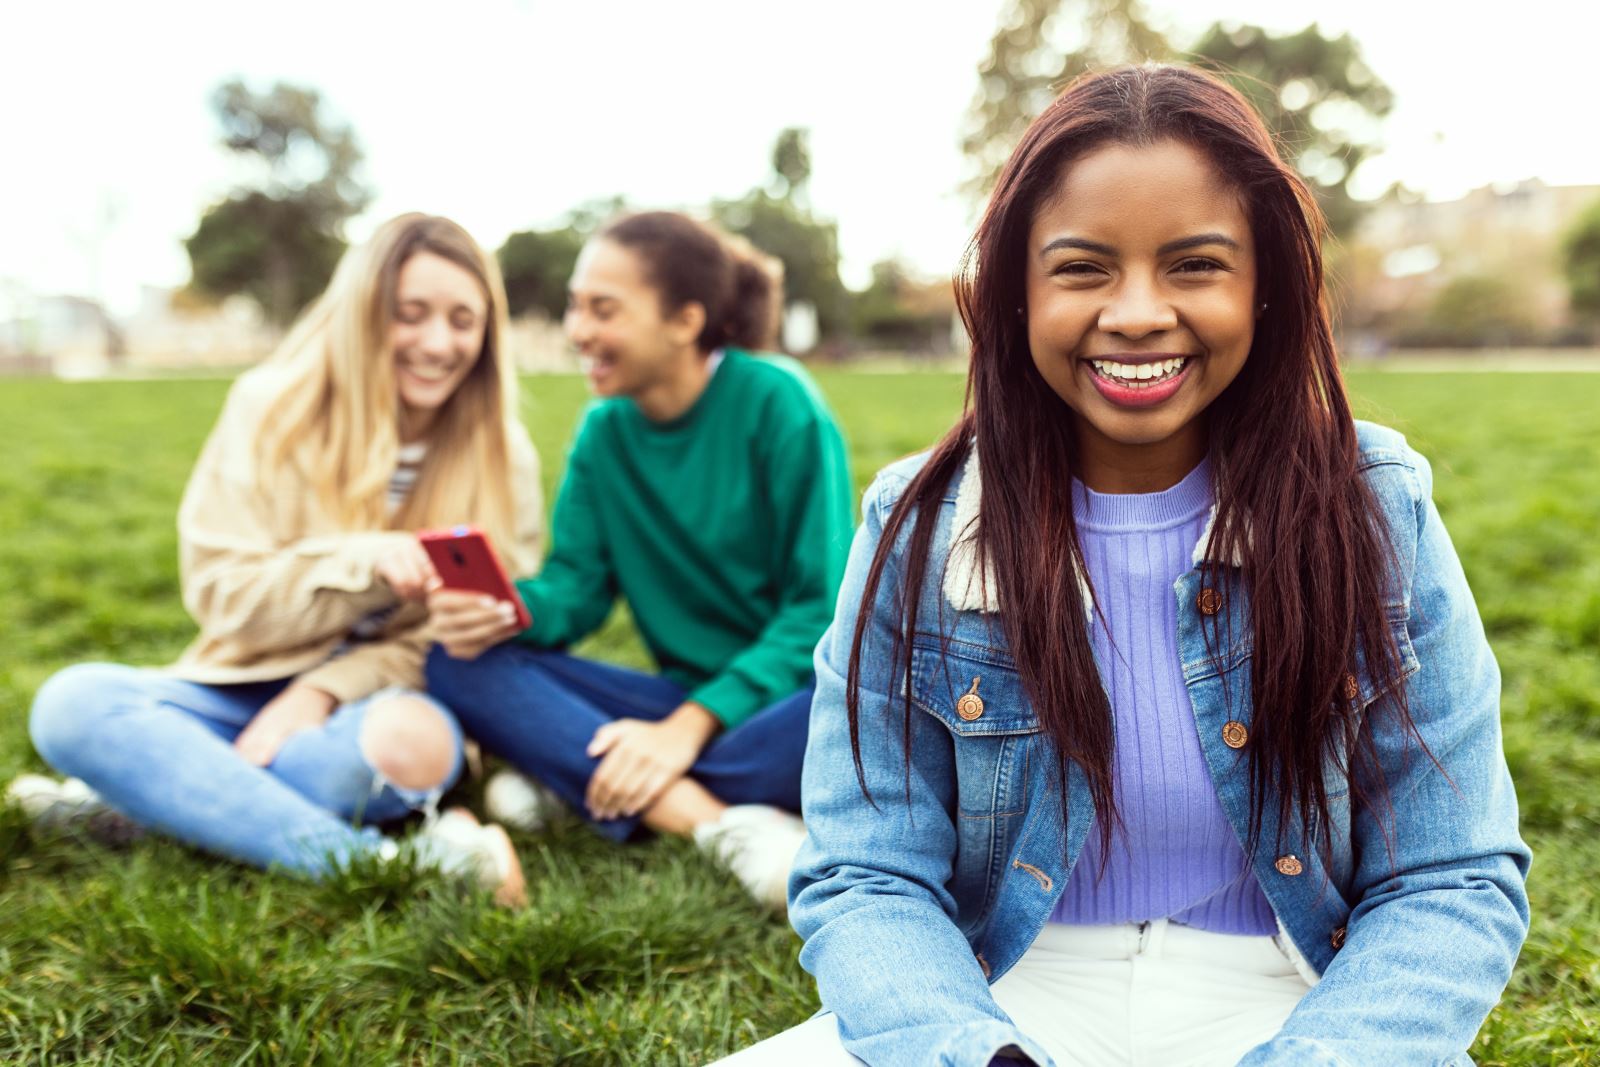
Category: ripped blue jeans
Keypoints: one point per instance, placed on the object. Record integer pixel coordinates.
(160, 750)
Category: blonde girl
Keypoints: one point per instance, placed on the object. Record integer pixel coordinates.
(295, 721)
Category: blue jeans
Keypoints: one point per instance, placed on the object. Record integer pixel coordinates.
(539, 710)
(160, 750)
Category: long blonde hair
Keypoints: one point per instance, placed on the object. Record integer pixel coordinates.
(335, 425)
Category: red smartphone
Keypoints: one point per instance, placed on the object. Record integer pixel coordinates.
(464, 559)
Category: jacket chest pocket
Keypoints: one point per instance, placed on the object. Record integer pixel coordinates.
(1222, 690)
(976, 694)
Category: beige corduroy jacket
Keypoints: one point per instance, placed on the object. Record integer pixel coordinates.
(276, 587)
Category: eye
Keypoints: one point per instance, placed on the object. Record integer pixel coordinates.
(464, 320)
(1078, 268)
(410, 314)
(1198, 265)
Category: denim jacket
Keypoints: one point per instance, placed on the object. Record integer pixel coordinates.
(909, 909)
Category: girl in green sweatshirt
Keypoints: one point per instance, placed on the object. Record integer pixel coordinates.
(707, 485)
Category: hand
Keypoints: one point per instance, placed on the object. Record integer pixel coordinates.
(468, 624)
(407, 570)
(641, 759)
(297, 708)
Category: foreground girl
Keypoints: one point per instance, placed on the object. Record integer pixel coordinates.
(1157, 725)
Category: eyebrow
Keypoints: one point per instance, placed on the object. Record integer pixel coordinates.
(425, 302)
(1181, 244)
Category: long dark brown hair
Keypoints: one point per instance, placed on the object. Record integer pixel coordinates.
(1315, 552)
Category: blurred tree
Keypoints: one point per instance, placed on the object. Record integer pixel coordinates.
(594, 213)
(782, 225)
(537, 265)
(808, 247)
(1580, 255)
(1316, 93)
(875, 310)
(277, 238)
(791, 162)
(1318, 96)
(1039, 47)
(897, 310)
(1473, 311)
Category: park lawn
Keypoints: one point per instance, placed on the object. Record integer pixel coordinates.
(647, 954)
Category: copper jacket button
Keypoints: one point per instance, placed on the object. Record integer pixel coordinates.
(1234, 734)
(1352, 688)
(1289, 865)
(1336, 939)
(1209, 601)
(970, 704)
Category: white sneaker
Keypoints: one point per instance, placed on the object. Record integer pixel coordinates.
(457, 844)
(758, 844)
(517, 801)
(53, 801)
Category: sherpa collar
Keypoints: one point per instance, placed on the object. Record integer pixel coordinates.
(963, 586)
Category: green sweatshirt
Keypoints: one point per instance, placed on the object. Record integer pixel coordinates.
(726, 529)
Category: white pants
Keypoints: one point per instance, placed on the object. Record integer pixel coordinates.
(1114, 996)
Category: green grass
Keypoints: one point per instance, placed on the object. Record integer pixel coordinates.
(646, 954)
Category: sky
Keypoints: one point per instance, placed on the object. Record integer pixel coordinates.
(504, 114)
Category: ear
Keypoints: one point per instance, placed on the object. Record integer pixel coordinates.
(685, 324)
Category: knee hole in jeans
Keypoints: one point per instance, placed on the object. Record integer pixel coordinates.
(408, 742)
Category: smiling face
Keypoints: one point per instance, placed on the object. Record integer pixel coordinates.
(1141, 306)
(436, 336)
(627, 341)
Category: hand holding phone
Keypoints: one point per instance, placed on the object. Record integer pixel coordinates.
(473, 604)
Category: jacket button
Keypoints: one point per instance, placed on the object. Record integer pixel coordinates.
(1336, 939)
(1352, 688)
(970, 705)
(1234, 734)
(1289, 865)
(1209, 601)
(985, 965)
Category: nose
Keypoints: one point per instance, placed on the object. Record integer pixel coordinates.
(1137, 309)
(579, 327)
(437, 338)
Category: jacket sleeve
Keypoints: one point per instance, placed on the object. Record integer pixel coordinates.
(809, 480)
(238, 580)
(869, 892)
(1441, 906)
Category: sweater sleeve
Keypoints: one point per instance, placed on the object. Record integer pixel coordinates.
(809, 483)
(238, 580)
(574, 592)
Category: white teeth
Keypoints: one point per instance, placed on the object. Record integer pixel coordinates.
(1136, 373)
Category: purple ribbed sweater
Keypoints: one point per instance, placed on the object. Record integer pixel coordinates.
(1176, 857)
